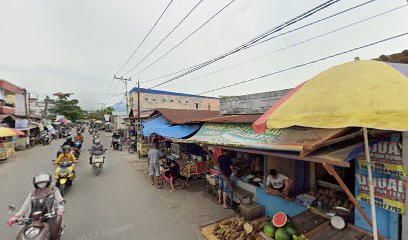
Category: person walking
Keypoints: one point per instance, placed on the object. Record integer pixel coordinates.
(154, 159)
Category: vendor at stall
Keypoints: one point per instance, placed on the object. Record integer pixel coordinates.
(279, 184)
(225, 163)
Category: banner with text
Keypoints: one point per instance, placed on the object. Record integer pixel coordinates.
(390, 192)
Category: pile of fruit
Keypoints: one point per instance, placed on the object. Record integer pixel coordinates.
(280, 228)
(331, 198)
(239, 229)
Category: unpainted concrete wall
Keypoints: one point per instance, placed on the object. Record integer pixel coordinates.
(252, 103)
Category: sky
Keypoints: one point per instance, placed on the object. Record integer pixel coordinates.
(77, 46)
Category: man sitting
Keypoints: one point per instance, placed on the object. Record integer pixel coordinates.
(278, 184)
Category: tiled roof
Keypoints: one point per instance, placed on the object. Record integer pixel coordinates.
(394, 58)
(182, 116)
(152, 91)
(250, 118)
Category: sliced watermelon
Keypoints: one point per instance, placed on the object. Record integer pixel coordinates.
(280, 219)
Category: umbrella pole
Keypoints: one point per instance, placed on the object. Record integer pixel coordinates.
(370, 184)
(330, 169)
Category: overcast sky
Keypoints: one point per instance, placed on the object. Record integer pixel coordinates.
(77, 45)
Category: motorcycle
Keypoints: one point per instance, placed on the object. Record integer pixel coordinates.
(64, 175)
(90, 130)
(45, 139)
(116, 144)
(97, 161)
(133, 147)
(37, 226)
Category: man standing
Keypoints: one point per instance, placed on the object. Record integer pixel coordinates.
(225, 163)
(154, 157)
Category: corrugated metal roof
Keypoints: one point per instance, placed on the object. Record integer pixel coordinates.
(250, 118)
(152, 91)
(182, 116)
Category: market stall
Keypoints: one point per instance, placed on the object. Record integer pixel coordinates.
(364, 94)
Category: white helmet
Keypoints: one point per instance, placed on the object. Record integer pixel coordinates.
(42, 180)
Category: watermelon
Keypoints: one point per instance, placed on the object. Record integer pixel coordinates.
(291, 230)
(269, 230)
(281, 234)
(279, 220)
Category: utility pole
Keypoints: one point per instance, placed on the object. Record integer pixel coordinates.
(138, 103)
(125, 81)
(44, 115)
(27, 110)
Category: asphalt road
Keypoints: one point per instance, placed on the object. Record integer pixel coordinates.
(118, 204)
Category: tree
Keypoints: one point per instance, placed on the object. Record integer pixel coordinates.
(99, 114)
(68, 108)
(108, 110)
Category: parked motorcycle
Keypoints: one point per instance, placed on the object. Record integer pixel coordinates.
(116, 144)
(38, 226)
(64, 175)
(45, 138)
(97, 161)
(133, 147)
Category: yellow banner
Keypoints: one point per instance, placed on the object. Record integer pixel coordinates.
(390, 205)
(397, 170)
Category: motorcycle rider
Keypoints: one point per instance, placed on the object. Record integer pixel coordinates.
(79, 138)
(115, 136)
(97, 147)
(42, 199)
(66, 155)
(69, 142)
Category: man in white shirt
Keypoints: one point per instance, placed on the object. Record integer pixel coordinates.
(277, 183)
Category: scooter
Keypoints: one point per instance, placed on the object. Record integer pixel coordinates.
(77, 148)
(37, 226)
(45, 139)
(116, 144)
(64, 175)
(133, 147)
(97, 161)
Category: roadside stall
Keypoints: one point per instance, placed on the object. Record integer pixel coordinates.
(7, 148)
(373, 97)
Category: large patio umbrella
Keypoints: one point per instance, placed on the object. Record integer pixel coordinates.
(367, 94)
(9, 132)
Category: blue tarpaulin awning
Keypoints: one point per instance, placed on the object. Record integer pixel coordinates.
(161, 126)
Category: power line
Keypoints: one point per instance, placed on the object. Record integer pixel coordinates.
(300, 43)
(140, 44)
(168, 34)
(188, 36)
(258, 38)
(254, 43)
(305, 64)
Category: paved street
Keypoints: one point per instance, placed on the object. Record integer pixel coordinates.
(118, 204)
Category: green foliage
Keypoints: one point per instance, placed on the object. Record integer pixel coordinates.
(68, 108)
(99, 114)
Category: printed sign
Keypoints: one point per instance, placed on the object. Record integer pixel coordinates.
(389, 193)
(386, 157)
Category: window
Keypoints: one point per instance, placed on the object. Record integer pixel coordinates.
(179, 101)
(164, 100)
(196, 105)
(186, 101)
(154, 100)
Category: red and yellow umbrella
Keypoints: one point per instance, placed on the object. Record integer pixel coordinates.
(10, 132)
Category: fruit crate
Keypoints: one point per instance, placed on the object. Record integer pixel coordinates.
(201, 167)
(251, 211)
(191, 168)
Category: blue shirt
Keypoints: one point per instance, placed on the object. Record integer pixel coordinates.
(154, 156)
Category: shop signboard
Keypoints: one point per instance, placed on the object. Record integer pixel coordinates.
(242, 135)
(390, 192)
(386, 157)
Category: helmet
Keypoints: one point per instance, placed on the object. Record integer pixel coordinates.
(97, 141)
(69, 138)
(42, 180)
(67, 148)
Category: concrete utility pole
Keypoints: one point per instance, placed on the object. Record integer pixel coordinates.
(27, 110)
(45, 113)
(138, 103)
(125, 81)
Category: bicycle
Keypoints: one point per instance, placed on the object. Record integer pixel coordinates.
(159, 181)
